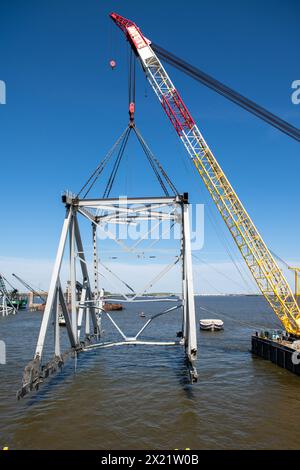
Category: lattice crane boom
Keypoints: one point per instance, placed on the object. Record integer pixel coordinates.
(264, 269)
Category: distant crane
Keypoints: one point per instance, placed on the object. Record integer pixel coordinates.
(31, 289)
(256, 254)
(6, 303)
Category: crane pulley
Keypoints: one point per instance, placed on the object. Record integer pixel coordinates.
(257, 256)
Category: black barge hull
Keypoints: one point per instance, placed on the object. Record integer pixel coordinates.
(276, 352)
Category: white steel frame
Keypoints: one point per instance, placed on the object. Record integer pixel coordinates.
(86, 310)
(6, 306)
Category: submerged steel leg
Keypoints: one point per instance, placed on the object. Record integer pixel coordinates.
(85, 273)
(87, 322)
(73, 276)
(53, 285)
(190, 333)
(95, 261)
(82, 308)
(72, 337)
(96, 293)
(56, 324)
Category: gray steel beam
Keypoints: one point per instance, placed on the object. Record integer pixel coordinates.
(85, 273)
(72, 337)
(119, 202)
(56, 325)
(190, 305)
(73, 275)
(53, 285)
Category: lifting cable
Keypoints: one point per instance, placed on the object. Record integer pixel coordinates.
(204, 279)
(210, 265)
(97, 172)
(119, 279)
(131, 78)
(223, 238)
(228, 92)
(10, 285)
(114, 171)
(279, 259)
(286, 265)
(157, 167)
(131, 99)
(241, 322)
(154, 163)
(121, 143)
(160, 275)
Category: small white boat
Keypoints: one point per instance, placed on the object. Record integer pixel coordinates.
(61, 319)
(211, 325)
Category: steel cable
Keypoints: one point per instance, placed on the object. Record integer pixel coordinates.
(228, 93)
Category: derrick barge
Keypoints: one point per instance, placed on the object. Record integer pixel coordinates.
(284, 353)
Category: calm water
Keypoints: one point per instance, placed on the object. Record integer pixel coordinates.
(138, 397)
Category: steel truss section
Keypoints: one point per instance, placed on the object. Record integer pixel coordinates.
(6, 305)
(82, 316)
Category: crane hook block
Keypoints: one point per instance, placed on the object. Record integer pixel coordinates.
(131, 111)
(113, 64)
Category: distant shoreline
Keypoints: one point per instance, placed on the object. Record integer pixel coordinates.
(228, 295)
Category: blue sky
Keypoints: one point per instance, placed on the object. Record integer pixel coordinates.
(65, 108)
